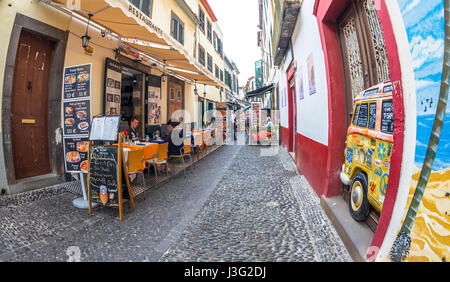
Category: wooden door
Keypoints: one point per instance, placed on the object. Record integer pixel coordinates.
(30, 104)
(363, 49)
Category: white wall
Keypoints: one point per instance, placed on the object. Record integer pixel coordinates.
(312, 111)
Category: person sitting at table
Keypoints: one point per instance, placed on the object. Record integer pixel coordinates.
(132, 130)
(175, 144)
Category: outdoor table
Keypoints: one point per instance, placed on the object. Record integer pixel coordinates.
(150, 148)
(196, 138)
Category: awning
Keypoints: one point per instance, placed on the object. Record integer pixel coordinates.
(138, 31)
(260, 91)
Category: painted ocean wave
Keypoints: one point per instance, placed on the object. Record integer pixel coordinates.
(424, 126)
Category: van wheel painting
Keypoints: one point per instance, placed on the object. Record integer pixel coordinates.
(401, 246)
(359, 204)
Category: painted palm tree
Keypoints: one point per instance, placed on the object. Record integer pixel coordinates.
(400, 248)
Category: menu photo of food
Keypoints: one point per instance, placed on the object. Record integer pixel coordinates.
(76, 154)
(69, 79)
(83, 77)
(110, 97)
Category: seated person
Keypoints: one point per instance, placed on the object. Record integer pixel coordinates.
(132, 130)
(175, 144)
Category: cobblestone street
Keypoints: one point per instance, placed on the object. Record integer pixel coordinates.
(236, 206)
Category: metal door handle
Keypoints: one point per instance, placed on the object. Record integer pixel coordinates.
(29, 85)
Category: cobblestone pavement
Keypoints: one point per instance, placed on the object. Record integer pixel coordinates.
(235, 206)
(261, 211)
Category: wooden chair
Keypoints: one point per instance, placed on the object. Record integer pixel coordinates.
(136, 163)
(160, 158)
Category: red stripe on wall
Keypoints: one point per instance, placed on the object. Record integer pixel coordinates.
(311, 160)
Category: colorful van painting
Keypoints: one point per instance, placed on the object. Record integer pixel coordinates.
(368, 150)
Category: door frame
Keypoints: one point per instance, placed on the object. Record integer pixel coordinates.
(59, 37)
(292, 107)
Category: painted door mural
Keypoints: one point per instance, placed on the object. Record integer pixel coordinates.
(425, 231)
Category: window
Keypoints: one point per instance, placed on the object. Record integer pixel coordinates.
(363, 114)
(387, 117)
(201, 55)
(355, 115)
(215, 40)
(221, 75)
(177, 29)
(172, 94)
(217, 72)
(210, 63)
(201, 15)
(179, 96)
(144, 5)
(219, 46)
(209, 31)
(372, 115)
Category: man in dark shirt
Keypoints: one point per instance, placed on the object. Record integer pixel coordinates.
(175, 144)
(133, 128)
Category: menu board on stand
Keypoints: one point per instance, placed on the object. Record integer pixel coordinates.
(255, 122)
(76, 113)
(108, 182)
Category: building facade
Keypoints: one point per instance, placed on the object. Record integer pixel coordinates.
(328, 52)
(153, 60)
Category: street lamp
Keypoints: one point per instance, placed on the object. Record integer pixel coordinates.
(195, 90)
(85, 38)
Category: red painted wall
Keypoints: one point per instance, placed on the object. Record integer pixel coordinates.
(311, 160)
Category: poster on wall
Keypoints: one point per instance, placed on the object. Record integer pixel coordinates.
(312, 80)
(77, 82)
(113, 84)
(154, 105)
(77, 117)
(76, 154)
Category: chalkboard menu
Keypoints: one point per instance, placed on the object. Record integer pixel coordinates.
(363, 114)
(103, 175)
(76, 154)
(77, 82)
(387, 117)
(372, 115)
(77, 117)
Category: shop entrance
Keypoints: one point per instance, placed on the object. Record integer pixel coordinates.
(30, 104)
(132, 99)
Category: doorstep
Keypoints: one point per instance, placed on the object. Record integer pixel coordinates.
(36, 182)
(357, 236)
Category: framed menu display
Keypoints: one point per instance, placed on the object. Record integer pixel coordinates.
(77, 117)
(113, 85)
(76, 154)
(77, 82)
(105, 128)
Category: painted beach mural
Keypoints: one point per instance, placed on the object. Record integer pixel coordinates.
(425, 231)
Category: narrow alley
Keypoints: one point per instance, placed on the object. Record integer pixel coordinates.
(236, 205)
